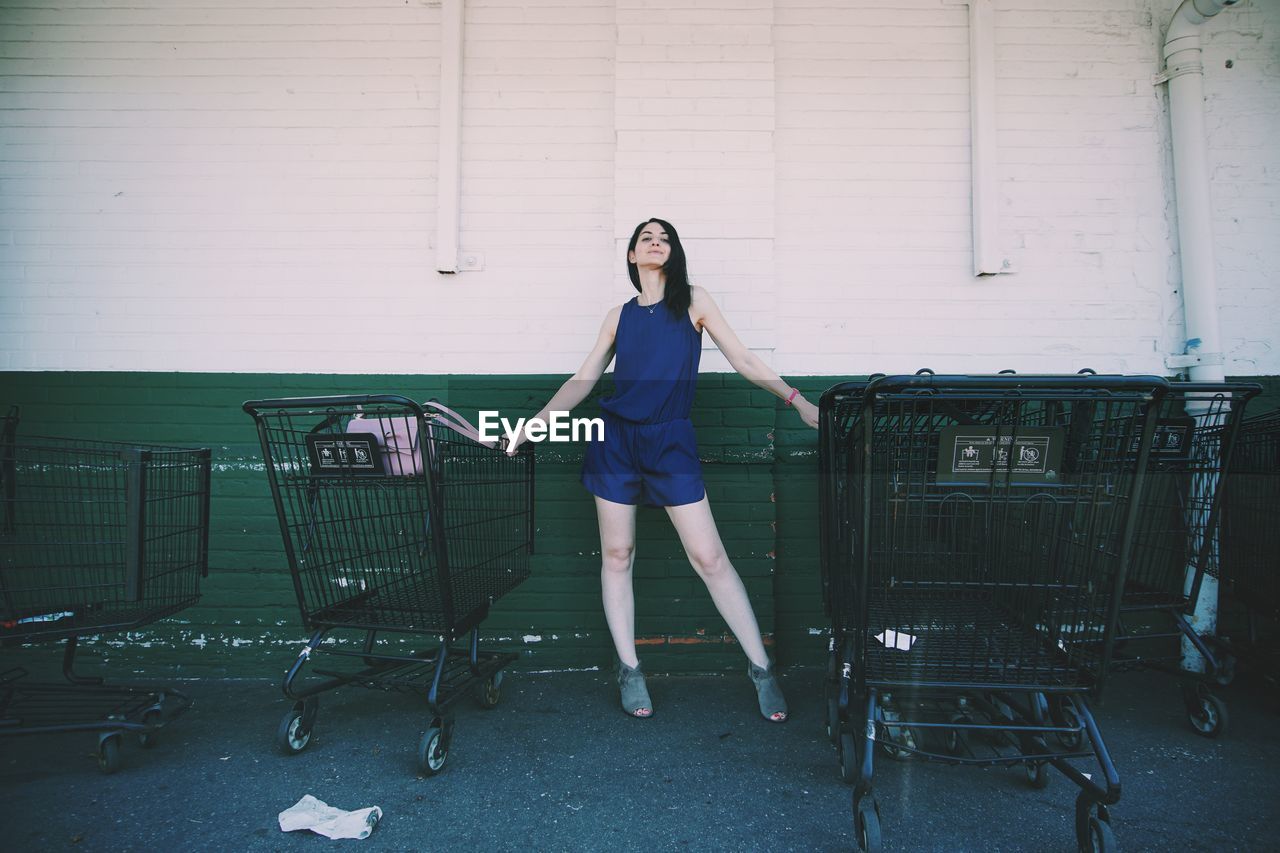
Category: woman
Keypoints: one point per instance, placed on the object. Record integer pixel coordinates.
(649, 455)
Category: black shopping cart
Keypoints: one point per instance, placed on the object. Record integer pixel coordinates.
(1250, 558)
(1176, 543)
(396, 519)
(96, 537)
(978, 536)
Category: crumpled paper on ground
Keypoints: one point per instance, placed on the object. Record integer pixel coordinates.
(318, 816)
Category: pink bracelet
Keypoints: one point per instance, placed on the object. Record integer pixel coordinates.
(794, 392)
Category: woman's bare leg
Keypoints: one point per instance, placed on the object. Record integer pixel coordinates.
(701, 541)
(618, 552)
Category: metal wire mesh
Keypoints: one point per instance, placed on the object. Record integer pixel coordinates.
(980, 527)
(1251, 536)
(98, 536)
(421, 532)
(1177, 529)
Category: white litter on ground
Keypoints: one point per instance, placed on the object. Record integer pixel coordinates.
(319, 817)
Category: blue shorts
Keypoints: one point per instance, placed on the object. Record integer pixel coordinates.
(650, 464)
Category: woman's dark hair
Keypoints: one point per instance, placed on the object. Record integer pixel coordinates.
(677, 296)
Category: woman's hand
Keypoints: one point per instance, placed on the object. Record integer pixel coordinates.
(807, 411)
(512, 447)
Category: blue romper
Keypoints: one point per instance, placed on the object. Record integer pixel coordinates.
(649, 454)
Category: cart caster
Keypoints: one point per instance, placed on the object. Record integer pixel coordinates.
(866, 817)
(848, 754)
(490, 693)
(109, 753)
(153, 718)
(1207, 715)
(1063, 714)
(1038, 775)
(899, 742)
(294, 732)
(433, 749)
(1101, 839)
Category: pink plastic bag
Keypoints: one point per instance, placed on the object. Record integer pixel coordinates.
(398, 436)
(398, 439)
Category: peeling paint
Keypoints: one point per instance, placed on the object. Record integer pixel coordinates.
(223, 467)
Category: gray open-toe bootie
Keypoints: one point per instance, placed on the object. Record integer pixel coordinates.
(635, 695)
(773, 707)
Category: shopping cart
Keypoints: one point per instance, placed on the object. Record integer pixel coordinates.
(96, 537)
(1251, 546)
(976, 554)
(1176, 542)
(395, 519)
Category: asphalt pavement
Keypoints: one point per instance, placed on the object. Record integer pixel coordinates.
(557, 766)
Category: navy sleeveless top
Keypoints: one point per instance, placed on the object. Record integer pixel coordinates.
(656, 371)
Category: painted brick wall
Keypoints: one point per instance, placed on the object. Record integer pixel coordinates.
(250, 187)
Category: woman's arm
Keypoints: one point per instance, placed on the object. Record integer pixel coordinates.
(579, 385)
(707, 316)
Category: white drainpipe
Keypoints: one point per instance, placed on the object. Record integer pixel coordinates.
(1203, 358)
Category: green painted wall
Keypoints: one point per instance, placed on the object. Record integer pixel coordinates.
(759, 464)
(757, 459)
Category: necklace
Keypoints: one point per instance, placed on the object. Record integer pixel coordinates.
(650, 308)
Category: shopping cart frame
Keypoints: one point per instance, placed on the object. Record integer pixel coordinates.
(130, 587)
(450, 670)
(1177, 542)
(1250, 559)
(1019, 717)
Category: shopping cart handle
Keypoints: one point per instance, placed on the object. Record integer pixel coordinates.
(254, 407)
(1006, 382)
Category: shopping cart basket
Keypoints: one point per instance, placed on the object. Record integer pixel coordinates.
(96, 537)
(1176, 541)
(988, 526)
(1250, 559)
(395, 519)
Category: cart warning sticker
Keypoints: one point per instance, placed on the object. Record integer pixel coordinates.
(1172, 439)
(1031, 456)
(346, 455)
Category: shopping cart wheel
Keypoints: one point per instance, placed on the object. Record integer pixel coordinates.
(490, 693)
(1038, 775)
(1207, 714)
(867, 825)
(1101, 838)
(1063, 714)
(895, 736)
(109, 753)
(847, 747)
(153, 718)
(432, 751)
(294, 732)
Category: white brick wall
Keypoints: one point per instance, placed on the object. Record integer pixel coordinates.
(250, 185)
